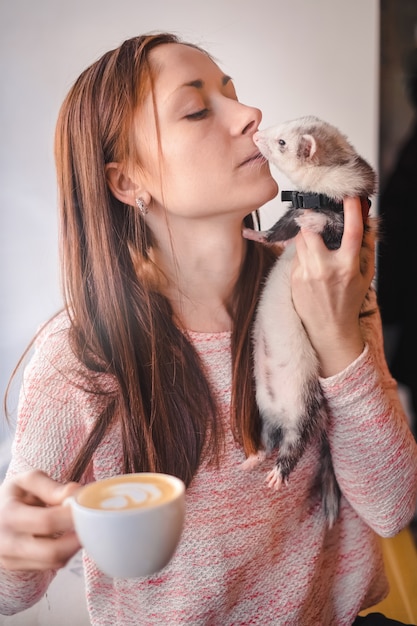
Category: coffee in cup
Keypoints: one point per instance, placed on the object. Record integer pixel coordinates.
(130, 524)
(122, 493)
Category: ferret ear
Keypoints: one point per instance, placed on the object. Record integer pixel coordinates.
(307, 147)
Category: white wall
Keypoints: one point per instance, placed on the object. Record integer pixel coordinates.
(288, 57)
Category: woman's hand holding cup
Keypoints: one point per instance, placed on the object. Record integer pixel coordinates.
(36, 530)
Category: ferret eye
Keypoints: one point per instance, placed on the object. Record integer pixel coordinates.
(281, 142)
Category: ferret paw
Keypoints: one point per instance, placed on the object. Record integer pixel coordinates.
(275, 479)
(255, 235)
(254, 460)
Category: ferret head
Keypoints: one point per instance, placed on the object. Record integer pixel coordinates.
(301, 144)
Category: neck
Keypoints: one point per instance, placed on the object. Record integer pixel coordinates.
(202, 261)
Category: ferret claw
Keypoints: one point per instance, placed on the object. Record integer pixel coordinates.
(274, 479)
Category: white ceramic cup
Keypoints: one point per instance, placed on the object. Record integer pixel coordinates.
(130, 524)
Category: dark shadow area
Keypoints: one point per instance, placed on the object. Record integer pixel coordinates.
(397, 251)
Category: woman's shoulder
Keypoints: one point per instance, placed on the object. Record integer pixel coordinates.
(52, 342)
(55, 357)
(54, 331)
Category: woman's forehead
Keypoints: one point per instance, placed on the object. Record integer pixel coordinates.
(177, 65)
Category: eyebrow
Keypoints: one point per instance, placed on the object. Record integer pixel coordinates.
(199, 84)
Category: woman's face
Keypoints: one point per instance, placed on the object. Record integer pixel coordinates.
(205, 162)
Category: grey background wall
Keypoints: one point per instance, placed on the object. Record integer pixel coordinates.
(289, 58)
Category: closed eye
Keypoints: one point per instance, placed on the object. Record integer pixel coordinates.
(198, 115)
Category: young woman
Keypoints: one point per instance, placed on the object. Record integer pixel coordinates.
(150, 365)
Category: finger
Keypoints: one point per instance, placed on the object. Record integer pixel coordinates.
(368, 256)
(353, 225)
(366, 207)
(31, 504)
(301, 256)
(45, 490)
(37, 520)
(309, 243)
(34, 553)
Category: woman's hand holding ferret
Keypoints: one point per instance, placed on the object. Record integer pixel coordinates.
(36, 529)
(329, 286)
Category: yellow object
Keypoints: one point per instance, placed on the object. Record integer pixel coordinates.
(400, 557)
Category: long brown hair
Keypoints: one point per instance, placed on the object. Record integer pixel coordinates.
(120, 322)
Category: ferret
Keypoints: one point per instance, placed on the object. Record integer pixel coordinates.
(319, 160)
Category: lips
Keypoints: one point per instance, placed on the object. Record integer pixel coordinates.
(256, 157)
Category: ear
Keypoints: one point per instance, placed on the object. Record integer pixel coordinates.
(123, 187)
(307, 147)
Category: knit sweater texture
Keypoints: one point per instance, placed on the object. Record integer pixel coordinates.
(248, 554)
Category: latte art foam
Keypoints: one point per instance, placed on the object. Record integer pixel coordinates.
(128, 495)
(132, 491)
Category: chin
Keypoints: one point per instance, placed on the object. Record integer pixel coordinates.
(268, 191)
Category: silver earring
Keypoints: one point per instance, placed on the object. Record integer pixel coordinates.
(142, 206)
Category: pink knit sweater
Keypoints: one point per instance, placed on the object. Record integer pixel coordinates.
(248, 555)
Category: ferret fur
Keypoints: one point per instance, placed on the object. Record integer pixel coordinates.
(317, 158)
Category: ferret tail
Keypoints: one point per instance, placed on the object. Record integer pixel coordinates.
(330, 491)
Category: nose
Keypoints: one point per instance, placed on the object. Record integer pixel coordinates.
(246, 120)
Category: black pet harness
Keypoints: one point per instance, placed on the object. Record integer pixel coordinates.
(306, 200)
